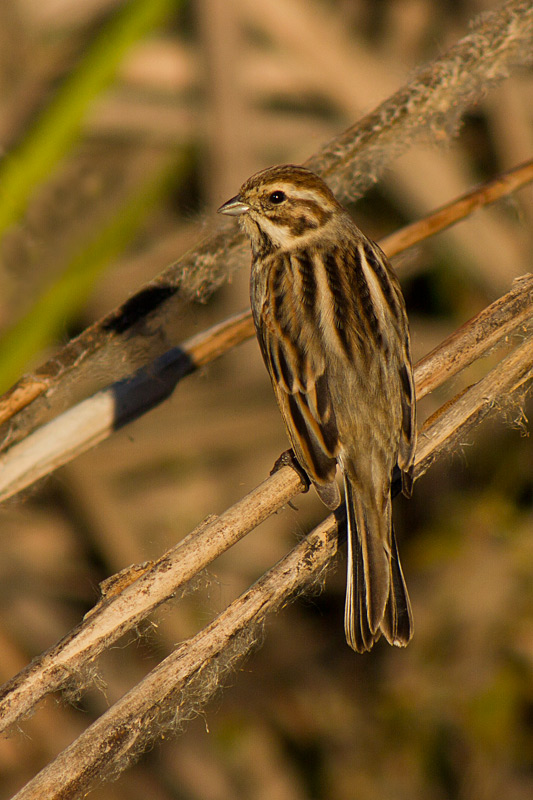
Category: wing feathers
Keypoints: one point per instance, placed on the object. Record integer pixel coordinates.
(397, 624)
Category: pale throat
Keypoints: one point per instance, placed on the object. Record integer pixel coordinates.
(281, 236)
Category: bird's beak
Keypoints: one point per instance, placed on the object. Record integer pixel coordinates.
(234, 207)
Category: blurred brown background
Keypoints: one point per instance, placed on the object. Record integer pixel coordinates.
(218, 89)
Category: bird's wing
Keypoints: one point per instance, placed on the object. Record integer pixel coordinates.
(407, 444)
(298, 376)
(392, 294)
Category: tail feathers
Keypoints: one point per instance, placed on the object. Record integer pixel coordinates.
(376, 596)
(397, 623)
(359, 635)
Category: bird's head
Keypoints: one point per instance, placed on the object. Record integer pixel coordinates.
(282, 206)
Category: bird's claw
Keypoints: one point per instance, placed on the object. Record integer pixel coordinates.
(288, 459)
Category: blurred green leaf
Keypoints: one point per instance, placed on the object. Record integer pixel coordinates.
(57, 127)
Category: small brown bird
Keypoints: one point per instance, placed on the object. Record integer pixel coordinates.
(332, 327)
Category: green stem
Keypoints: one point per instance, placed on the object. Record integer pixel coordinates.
(58, 126)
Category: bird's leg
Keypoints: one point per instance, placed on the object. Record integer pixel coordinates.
(288, 459)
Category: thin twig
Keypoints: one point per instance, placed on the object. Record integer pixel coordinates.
(446, 429)
(485, 194)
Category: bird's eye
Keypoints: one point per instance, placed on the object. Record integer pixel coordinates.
(277, 197)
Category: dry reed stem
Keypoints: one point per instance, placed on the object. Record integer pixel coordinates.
(447, 427)
(121, 612)
(508, 315)
(432, 103)
(117, 614)
(429, 107)
(86, 424)
(93, 420)
(490, 191)
(180, 686)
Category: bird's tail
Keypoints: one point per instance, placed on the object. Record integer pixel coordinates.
(376, 595)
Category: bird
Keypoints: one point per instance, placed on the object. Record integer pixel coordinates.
(332, 327)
